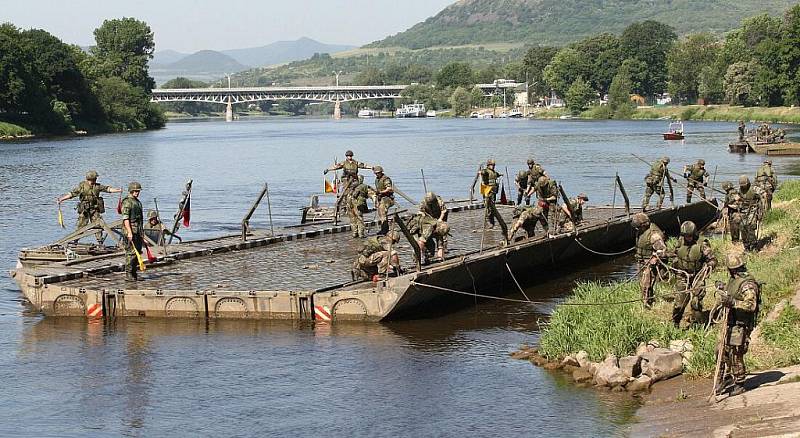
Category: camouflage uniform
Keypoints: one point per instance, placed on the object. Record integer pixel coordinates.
(767, 181)
(154, 229)
(527, 220)
(654, 182)
(730, 210)
(750, 211)
(576, 205)
(132, 212)
(741, 131)
(349, 179)
(696, 177)
(691, 257)
(742, 296)
(522, 187)
(489, 178)
(376, 257)
(358, 206)
(383, 201)
(547, 193)
(650, 247)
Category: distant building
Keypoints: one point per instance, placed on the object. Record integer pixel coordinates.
(663, 99)
(521, 98)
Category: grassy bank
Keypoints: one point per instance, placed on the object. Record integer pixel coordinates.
(619, 328)
(725, 113)
(12, 130)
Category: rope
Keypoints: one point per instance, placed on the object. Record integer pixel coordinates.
(516, 282)
(609, 254)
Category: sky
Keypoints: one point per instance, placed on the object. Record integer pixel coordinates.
(191, 25)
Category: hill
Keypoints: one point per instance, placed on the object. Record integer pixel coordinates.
(280, 52)
(558, 22)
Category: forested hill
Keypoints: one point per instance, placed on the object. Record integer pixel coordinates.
(557, 22)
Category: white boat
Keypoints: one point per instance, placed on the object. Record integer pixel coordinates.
(411, 110)
(367, 113)
(485, 116)
(515, 114)
(474, 115)
(430, 113)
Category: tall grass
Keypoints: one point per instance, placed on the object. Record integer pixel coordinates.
(10, 129)
(619, 328)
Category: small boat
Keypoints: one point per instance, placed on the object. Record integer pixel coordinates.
(367, 113)
(474, 115)
(412, 110)
(515, 114)
(485, 116)
(675, 131)
(430, 113)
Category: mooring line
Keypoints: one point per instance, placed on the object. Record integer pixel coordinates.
(516, 282)
(607, 254)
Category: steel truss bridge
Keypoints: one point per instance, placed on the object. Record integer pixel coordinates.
(333, 94)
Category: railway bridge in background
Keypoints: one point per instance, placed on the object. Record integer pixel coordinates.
(333, 94)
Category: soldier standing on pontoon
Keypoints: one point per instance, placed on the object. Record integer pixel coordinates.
(90, 204)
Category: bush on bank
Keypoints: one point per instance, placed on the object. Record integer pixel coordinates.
(611, 328)
(12, 130)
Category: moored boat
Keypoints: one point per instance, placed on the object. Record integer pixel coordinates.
(675, 131)
(412, 110)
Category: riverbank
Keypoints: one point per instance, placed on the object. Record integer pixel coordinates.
(712, 113)
(10, 131)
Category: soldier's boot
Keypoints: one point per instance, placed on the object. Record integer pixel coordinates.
(660, 201)
(697, 317)
(384, 228)
(645, 202)
(689, 198)
(736, 389)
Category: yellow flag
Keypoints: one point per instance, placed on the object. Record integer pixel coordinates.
(139, 259)
(60, 217)
(485, 189)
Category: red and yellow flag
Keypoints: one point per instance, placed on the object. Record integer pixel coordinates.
(329, 188)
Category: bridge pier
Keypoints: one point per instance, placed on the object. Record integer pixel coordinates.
(337, 110)
(229, 112)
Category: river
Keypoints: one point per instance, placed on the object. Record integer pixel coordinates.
(450, 375)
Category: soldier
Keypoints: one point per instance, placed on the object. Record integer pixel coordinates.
(349, 168)
(358, 206)
(489, 187)
(650, 248)
(742, 130)
(547, 193)
(431, 227)
(696, 179)
(691, 257)
(527, 220)
(154, 229)
(384, 198)
(572, 220)
(521, 181)
(535, 171)
(90, 205)
(377, 257)
(654, 182)
(743, 297)
(730, 210)
(768, 181)
(750, 211)
(132, 225)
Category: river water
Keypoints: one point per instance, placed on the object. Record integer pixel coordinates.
(449, 375)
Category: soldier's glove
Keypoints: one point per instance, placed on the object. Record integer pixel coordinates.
(325, 172)
(719, 285)
(727, 300)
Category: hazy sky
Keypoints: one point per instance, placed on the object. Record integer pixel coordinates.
(191, 25)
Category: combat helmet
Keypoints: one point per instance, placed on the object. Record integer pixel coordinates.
(768, 161)
(349, 153)
(701, 162)
(727, 185)
(542, 179)
(377, 169)
(151, 214)
(734, 261)
(665, 160)
(640, 220)
(91, 175)
(744, 180)
(490, 162)
(134, 186)
(531, 162)
(583, 196)
(394, 236)
(688, 228)
(430, 197)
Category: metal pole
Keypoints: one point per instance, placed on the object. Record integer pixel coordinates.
(161, 238)
(269, 208)
(424, 184)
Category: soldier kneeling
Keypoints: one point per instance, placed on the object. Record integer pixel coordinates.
(527, 220)
(377, 257)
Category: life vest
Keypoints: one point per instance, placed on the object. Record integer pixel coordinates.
(644, 249)
(689, 257)
(735, 290)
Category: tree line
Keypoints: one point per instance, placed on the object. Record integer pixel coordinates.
(53, 87)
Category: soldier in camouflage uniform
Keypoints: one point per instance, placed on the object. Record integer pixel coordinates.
(521, 181)
(768, 181)
(432, 225)
(730, 210)
(535, 171)
(527, 219)
(133, 226)
(696, 179)
(650, 248)
(694, 260)
(489, 179)
(349, 168)
(742, 130)
(743, 297)
(384, 198)
(358, 206)
(377, 256)
(654, 182)
(750, 212)
(154, 229)
(90, 205)
(547, 194)
(571, 220)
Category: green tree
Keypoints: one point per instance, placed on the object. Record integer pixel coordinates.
(567, 66)
(371, 76)
(579, 95)
(534, 63)
(739, 80)
(790, 55)
(604, 56)
(188, 107)
(124, 48)
(710, 84)
(685, 61)
(461, 101)
(455, 74)
(649, 42)
(477, 98)
(619, 95)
